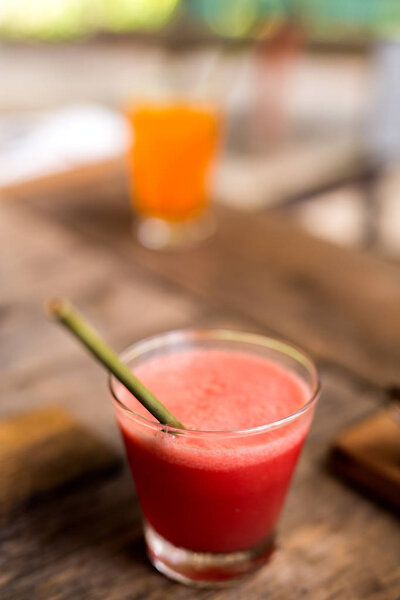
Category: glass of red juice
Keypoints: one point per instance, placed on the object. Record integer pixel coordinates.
(211, 494)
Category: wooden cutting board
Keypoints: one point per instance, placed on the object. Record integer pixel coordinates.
(368, 455)
(45, 450)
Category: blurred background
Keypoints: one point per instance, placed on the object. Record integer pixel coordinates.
(307, 93)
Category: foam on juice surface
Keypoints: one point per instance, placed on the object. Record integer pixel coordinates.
(219, 390)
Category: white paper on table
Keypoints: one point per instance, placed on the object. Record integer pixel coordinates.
(34, 145)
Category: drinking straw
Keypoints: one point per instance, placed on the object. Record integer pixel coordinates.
(61, 310)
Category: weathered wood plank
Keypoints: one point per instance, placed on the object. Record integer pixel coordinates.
(368, 455)
(343, 306)
(82, 175)
(44, 450)
(123, 300)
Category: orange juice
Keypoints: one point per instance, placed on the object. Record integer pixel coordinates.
(170, 159)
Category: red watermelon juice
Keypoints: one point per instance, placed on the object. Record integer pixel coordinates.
(218, 487)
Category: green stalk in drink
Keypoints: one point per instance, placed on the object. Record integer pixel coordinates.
(66, 314)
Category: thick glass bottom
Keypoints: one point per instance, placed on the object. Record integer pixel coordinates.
(159, 234)
(204, 569)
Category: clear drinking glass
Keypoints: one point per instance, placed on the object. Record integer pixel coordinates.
(211, 499)
(174, 121)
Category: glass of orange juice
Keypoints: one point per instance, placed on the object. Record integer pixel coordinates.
(170, 158)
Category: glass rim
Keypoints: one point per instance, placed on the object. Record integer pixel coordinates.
(179, 335)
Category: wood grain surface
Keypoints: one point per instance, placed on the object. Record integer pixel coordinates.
(368, 454)
(258, 273)
(43, 451)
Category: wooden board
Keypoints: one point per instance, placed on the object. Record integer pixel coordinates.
(257, 273)
(43, 451)
(343, 306)
(368, 455)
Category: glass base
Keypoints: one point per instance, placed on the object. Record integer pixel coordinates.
(159, 234)
(204, 569)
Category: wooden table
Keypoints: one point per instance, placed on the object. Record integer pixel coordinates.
(258, 273)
